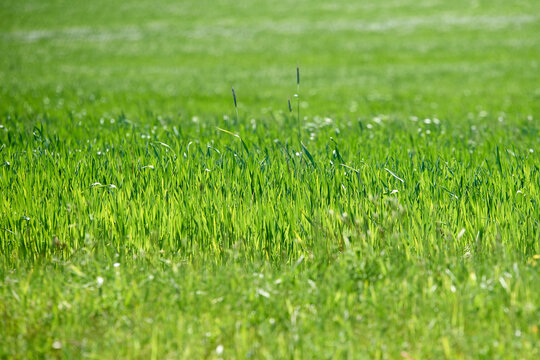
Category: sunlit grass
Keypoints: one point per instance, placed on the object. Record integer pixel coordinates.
(391, 210)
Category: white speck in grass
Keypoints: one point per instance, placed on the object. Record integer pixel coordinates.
(503, 283)
(427, 121)
(95, 184)
(531, 151)
(217, 300)
(207, 170)
(414, 118)
(261, 292)
(57, 345)
(369, 126)
(428, 132)
(272, 321)
(436, 121)
(395, 191)
(195, 119)
(100, 281)
(64, 305)
(297, 154)
(278, 281)
(461, 233)
(219, 350)
(530, 118)
(452, 288)
(377, 120)
(116, 265)
(148, 167)
(112, 186)
(518, 333)
(483, 114)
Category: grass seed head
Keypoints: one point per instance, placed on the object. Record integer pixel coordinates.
(234, 97)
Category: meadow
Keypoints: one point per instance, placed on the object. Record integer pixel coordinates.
(392, 211)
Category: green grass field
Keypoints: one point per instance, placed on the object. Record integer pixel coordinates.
(393, 213)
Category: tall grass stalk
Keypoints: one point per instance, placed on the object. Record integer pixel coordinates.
(298, 102)
(235, 104)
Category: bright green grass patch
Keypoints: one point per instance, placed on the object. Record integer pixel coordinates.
(398, 217)
(358, 305)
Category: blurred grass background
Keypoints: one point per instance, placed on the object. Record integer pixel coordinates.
(422, 58)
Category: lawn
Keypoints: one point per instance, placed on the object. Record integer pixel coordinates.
(392, 211)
